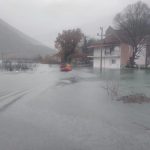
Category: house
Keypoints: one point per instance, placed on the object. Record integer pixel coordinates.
(111, 52)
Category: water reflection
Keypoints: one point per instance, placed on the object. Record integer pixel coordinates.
(129, 80)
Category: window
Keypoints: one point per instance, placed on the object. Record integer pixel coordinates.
(112, 50)
(113, 61)
(107, 52)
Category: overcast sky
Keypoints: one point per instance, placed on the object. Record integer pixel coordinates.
(44, 19)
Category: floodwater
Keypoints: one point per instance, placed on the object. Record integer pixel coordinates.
(47, 109)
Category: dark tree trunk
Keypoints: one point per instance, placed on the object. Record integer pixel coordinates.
(147, 55)
(132, 58)
(131, 62)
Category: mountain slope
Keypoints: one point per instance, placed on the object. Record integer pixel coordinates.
(15, 44)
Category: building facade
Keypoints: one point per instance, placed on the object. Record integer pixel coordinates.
(111, 53)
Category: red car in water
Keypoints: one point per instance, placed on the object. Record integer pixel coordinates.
(65, 67)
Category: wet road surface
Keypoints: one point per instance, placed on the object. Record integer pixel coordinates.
(52, 110)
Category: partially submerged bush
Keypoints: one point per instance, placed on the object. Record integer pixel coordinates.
(135, 98)
(113, 91)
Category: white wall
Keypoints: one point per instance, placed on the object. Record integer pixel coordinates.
(107, 60)
(107, 63)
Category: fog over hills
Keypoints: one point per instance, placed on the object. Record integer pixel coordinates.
(15, 44)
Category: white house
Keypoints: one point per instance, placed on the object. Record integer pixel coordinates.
(110, 57)
(114, 53)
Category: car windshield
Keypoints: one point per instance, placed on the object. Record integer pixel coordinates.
(74, 75)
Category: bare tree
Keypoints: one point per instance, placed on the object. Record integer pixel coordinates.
(134, 25)
(112, 88)
(67, 42)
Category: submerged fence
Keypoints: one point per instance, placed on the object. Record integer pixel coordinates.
(16, 66)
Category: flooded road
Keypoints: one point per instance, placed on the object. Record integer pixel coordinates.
(52, 110)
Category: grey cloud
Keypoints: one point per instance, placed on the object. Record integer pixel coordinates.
(43, 19)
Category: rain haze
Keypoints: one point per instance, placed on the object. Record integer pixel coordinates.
(44, 19)
(92, 92)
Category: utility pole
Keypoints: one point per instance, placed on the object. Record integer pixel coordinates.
(101, 55)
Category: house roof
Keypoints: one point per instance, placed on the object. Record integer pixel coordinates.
(111, 39)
